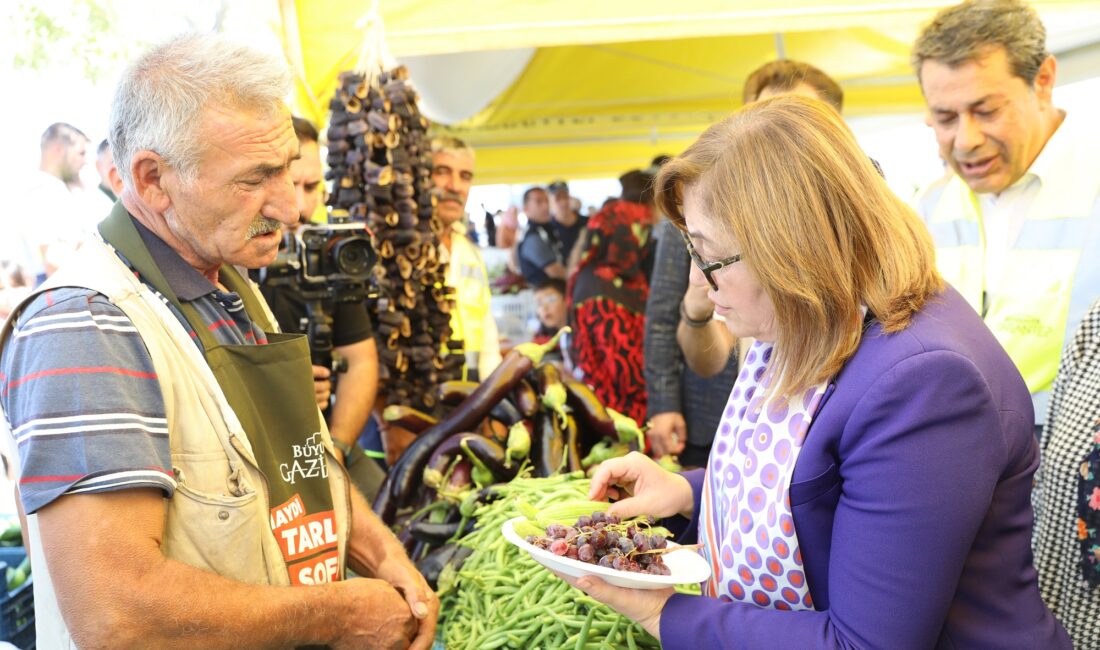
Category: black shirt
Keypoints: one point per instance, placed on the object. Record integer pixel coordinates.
(350, 322)
(568, 235)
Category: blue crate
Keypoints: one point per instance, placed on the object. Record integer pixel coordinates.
(17, 606)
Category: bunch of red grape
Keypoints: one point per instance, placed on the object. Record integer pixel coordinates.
(604, 540)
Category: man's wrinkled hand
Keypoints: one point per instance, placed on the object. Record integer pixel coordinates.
(421, 600)
(378, 618)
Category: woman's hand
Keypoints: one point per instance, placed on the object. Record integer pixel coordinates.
(642, 487)
(642, 606)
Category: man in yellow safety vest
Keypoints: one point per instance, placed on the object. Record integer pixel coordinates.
(471, 319)
(1016, 219)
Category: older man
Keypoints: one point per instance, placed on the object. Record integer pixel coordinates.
(471, 320)
(1017, 220)
(178, 477)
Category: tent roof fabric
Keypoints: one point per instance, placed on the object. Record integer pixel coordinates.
(614, 83)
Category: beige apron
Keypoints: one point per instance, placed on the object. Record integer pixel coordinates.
(270, 389)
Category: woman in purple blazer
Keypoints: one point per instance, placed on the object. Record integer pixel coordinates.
(869, 484)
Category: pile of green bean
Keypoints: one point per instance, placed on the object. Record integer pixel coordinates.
(501, 598)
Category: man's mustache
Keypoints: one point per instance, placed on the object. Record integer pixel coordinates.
(261, 226)
(446, 195)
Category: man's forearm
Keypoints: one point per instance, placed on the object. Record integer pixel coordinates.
(371, 543)
(556, 270)
(706, 349)
(117, 589)
(355, 393)
(204, 610)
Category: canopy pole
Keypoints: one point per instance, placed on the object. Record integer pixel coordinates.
(780, 46)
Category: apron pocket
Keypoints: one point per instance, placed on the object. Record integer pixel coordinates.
(215, 532)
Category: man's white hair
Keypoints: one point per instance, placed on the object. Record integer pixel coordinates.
(163, 96)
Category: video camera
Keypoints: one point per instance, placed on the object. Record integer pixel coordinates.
(324, 264)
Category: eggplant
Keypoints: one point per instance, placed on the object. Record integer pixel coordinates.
(506, 412)
(493, 429)
(593, 418)
(525, 399)
(552, 394)
(460, 476)
(441, 458)
(408, 418)
(572, 445)
(407, 540)
(490, 453)
(431, 565)
(452, 393)
(404, 477)
(548, 446)
(519, 442)
(436, 534)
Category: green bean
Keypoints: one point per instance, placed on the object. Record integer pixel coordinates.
(503, 598)
(584, 630)
(494, 643)
(612, 635)
(630, 638)
(541, 635)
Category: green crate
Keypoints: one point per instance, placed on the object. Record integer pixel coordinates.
(17, 606)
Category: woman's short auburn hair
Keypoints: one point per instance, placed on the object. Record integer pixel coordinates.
(816, 224)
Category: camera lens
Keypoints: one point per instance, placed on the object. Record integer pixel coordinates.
(354, 257)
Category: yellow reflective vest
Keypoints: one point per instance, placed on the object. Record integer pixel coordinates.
(472, 319)
(1052, 271)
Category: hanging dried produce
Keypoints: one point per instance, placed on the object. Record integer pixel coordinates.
(381, 171)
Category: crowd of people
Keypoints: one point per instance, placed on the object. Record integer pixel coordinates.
(888, 415)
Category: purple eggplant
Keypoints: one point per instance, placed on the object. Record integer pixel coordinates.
(548, 445)
(404, 477)
(592, 416)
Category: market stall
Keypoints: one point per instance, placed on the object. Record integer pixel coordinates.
(582, 90)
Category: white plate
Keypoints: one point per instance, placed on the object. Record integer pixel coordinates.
(686, 565)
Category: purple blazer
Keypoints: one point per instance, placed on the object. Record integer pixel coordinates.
(911, 502)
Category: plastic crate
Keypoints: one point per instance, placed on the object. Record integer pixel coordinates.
(515, 315)
(17, 606)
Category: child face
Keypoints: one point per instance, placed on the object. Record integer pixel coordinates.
(550, 307)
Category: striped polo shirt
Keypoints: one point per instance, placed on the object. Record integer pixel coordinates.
(79, 391)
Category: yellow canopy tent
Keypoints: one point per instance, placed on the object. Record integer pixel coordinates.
(602, 87)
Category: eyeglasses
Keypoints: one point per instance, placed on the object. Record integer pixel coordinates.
(708, 268)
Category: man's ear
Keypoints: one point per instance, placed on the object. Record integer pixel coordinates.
(147, 169)
(114, 180)
(1044, 80)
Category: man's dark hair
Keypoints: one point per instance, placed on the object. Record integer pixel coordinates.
(61, 131)
(305, 130)
(637, 186)
(103, 146)
(557, 284)
(784, 75)
(967, 31)
(531, 190)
